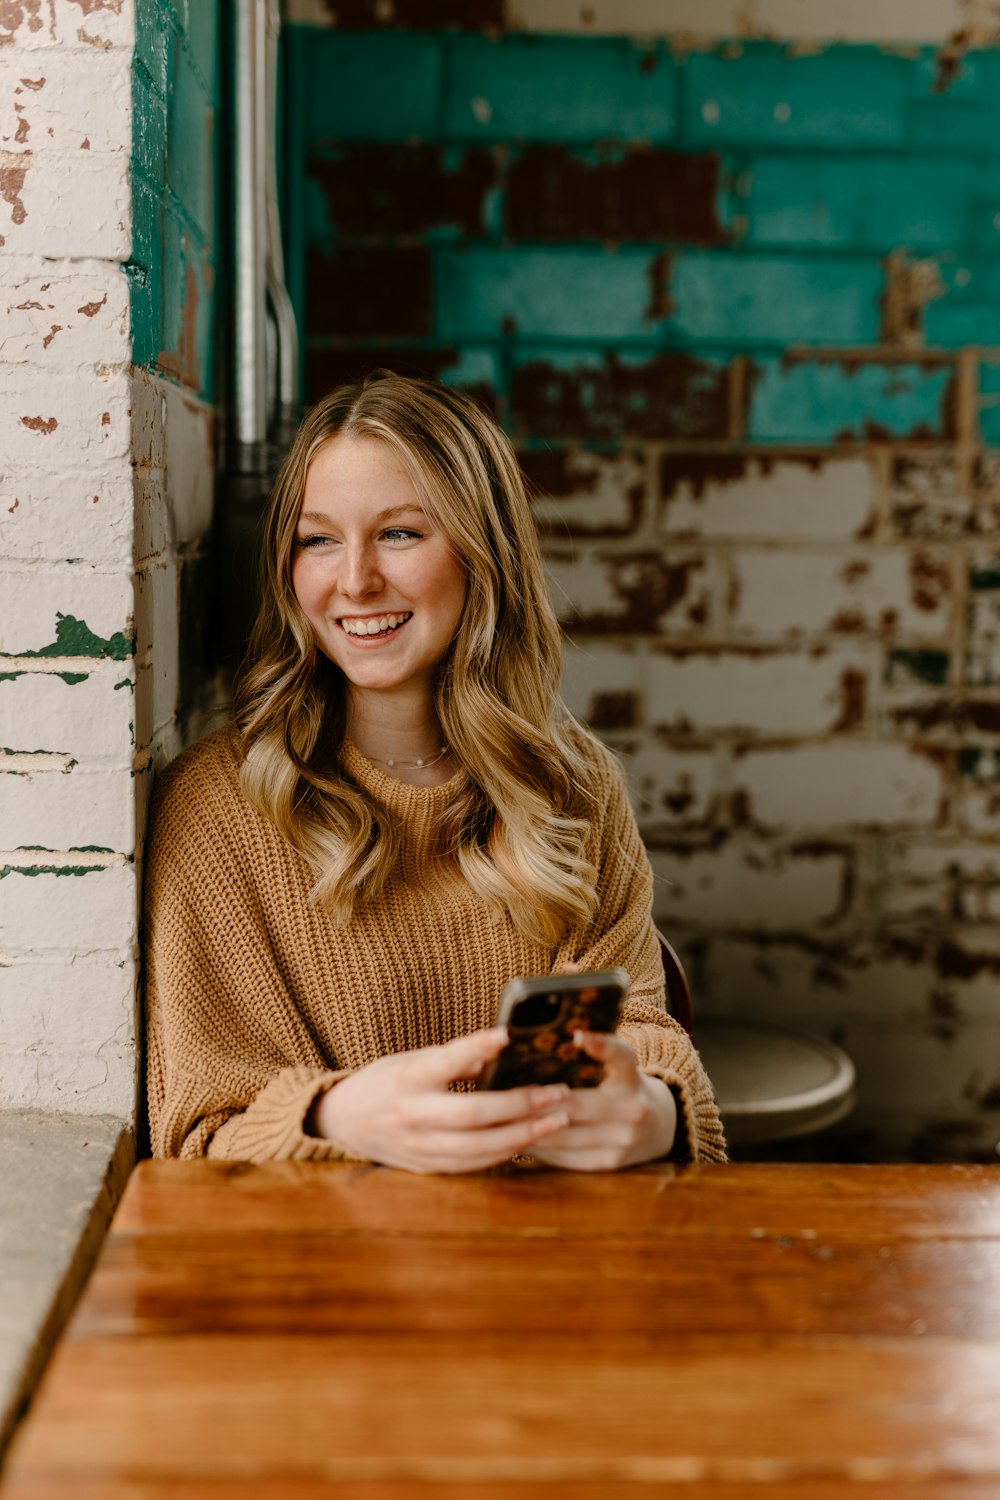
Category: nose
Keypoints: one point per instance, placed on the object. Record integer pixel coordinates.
(359, 571)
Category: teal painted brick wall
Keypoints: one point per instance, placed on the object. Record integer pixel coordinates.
(172, 270)
(466, 204)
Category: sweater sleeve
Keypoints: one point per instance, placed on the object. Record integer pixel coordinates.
(231, 1068)
(622, 932)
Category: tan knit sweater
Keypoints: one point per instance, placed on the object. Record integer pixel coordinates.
(256, 1001)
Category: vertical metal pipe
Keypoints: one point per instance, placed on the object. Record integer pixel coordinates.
(251, 222)
(281, 305)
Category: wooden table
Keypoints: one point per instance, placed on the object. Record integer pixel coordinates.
(744, 1331)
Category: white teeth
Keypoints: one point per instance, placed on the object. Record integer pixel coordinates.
(375, 626)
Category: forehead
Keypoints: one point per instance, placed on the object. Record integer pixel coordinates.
(357, 471)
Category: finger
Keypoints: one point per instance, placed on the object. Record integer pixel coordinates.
(483, 1111)
(604, 1136)
(471, 1151)
(614, 1052)
(464, 1057)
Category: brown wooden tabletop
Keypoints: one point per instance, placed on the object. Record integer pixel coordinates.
(289, 1331)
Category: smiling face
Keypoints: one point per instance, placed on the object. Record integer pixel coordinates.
(380, 585)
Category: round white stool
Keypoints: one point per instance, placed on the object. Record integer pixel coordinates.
(771, 1085)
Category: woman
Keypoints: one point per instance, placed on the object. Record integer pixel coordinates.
(402, 818)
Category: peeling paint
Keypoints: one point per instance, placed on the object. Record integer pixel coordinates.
(930, 581)
(45, 425)
(75, 638)
(910, 286)
(16, 13)
(89, 7)
(14, 167)
(620, 397)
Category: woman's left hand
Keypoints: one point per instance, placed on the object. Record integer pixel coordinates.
(629, 1118)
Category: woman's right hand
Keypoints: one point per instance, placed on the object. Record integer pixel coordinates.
(400, 1112)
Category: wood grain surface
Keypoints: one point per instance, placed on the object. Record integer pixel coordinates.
(796, 1332)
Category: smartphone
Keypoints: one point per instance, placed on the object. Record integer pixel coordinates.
(541, 1015)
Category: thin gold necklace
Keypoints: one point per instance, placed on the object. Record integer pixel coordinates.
(411, 765)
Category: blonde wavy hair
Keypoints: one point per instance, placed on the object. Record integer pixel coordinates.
(518, 823)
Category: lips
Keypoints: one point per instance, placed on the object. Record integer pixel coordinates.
(374, 625)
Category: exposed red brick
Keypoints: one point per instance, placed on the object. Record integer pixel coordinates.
(375, 189)
(853, 700)
(547, 471)
(416, 15)
(91, 309)
(699, 470)
(639, 194)
(182, 363)
(12, 177)
(660, 303)
(670, 395)
(327, 368)
(613, 711)
(958, 715)
(930, 581)
(953, 962)
(649, 587)
(370, 293)
(44, 425)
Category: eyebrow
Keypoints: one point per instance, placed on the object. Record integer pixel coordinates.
(319, 519)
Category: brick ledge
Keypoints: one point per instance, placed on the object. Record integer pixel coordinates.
(62, 1177)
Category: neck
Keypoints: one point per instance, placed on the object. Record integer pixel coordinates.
(404, 738)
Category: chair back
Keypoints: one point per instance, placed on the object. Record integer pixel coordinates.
(678, 989)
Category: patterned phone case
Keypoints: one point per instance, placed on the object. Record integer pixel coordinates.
(541, 1015)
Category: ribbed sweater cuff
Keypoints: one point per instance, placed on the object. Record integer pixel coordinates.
(272, 1128)
(666, 1053)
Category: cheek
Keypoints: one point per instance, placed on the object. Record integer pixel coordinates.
(303, 580)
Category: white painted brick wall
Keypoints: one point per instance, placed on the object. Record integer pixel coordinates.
(67, 1037)
(788, 501)
(795, 592)
(60, 422)
(74, 316)
(84, 916)
(53, 808)
(43, 26)
(50, 103)
(67, 779)
(736, 693)
(593, 671)
(600, 501)
(613, 589)
(35, 596)
(88, 719)
(820, 787)
(49, 517)
(748, 886)
(672, 787)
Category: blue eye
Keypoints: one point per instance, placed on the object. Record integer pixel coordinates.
(400, 534)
